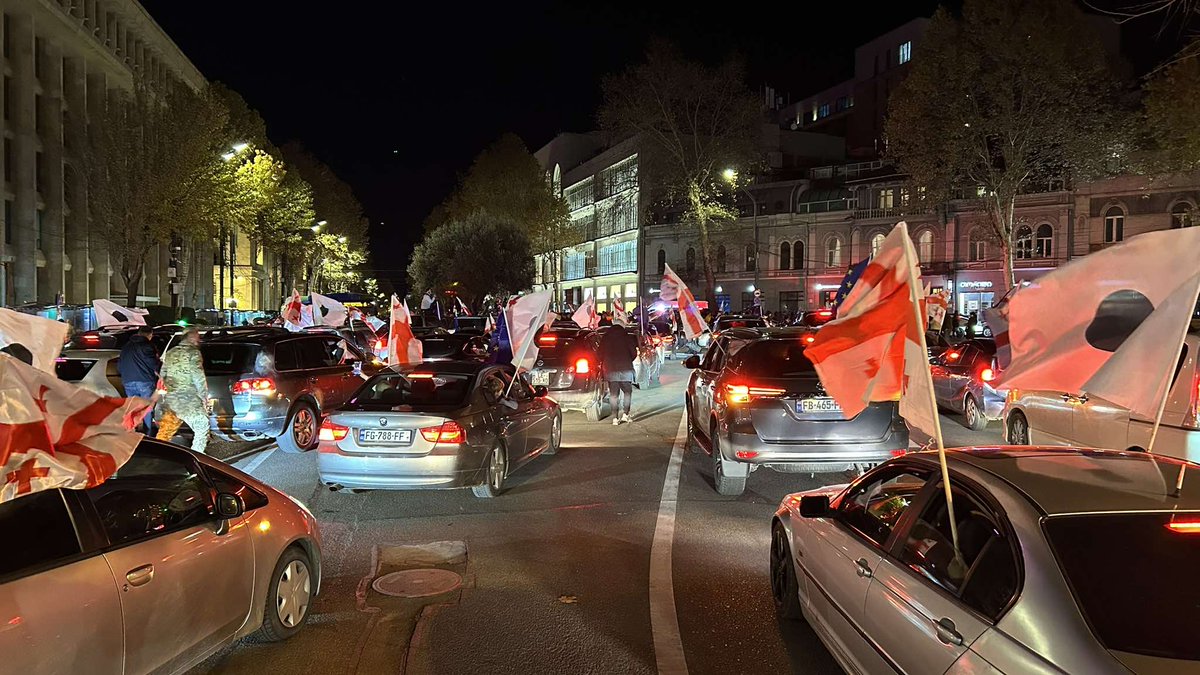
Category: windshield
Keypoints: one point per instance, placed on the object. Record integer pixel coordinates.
(418, 390)
(774, 358)
(440, 348)
(1131, 575)
(725, 324)
(229, 358)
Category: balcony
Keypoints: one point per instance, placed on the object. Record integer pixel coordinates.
(827, 206)
(866, 214)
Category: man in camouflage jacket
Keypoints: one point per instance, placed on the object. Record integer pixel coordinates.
(186, 400)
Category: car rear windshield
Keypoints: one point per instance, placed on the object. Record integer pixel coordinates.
(774, 358)
(440, 348)
(229, 358)
(416, 390)
(1132, 575)
(73, 370)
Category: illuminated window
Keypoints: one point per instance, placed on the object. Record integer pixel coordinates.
(925, 246)
(976, 246)
(905, 52)
(887, 198)
(876, 244)
(1024, 243)
(833, 252)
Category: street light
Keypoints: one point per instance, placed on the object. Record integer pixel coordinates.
(730, 175)
(316, 228)
(238, 147)
(321, 223)
(342, 239)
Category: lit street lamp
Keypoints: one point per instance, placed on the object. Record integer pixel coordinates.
(730, 176)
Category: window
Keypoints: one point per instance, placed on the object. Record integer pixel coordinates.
(573, 266)
(158, 490)
(620, 257)
(1114, 225)
(984, 573)
(823, 110)
(849, 101)
(40, 525)
(8, 160)
(662, 261)
(840, 104)
(312, 353)
(906, 52)
(976, 246)
(1181, 214)
(873, 506)
(751, 258)
(690, 260)
(798, 255)
(1044, 244)
(790, 301)
(38, 46)
(785, 256)
(904, 196)
(7, 97)
(887, 59)
(37, 172)
(721, 259)
(876, 243)
(887, 198)
(925, 246)
(1024, 241)
(7, 39)
(38, 224)
(395, 389)
(238, 358)
(37, 113)
(8, 221)
(833, 252)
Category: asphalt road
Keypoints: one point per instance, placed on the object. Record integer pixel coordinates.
(556, 574)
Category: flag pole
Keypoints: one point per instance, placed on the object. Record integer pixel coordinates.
(1162, 404)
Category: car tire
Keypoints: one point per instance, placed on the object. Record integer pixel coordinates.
(973, 417)
(785, 586)
(595, 411)
(494, 474)
(300, 432)
(1018, 429)
(289, 597)
(725, 484)
(555, 435)
(690, 442)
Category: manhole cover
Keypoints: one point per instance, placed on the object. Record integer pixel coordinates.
(417, 583)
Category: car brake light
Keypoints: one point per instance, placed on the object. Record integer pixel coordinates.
(91, 339)
(420, 376)
(987, 375)
(742, 393)
(448, 432)
(808, 339)
(1184, 525)
(547, 340)
(263, 386)
(952, 355)
(332, 432)
(745, 454)
(582, 367)
(825, 313)
(899, 452)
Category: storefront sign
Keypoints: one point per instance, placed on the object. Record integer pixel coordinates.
(962, 285)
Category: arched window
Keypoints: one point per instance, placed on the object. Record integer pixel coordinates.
(1181, 214)
(662, 261)
(721, 259)
(1044, 244)
(1024, 243)
(798, 262)
(977, 245)
(751, 258)
(1114, 225)
(556, 180)
(833, 252)
(785, 256)
(925, 246)
(690, 261)
(876, 242)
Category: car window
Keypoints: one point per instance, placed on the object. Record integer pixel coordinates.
(416, 389)
(312, 353)
(37, 531)
(873, 506)
(339, 352)
(229, 358)
(714, 358)
(983, 572)
(285, 356)
(493, 385)
(223, 482)
(73, 370)
(774, 358)
(158, 490)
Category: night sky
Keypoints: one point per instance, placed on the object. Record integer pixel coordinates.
(399, 99)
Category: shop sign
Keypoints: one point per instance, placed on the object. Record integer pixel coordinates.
(963, 285)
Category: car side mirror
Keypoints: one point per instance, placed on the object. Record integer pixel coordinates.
(229, 506)
(692, 362)
(815, 506)
(540, 391)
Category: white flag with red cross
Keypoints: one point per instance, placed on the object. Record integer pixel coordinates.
(585, 316)
(292, 309)
(54, 434)
(403, 347)
(673, 289)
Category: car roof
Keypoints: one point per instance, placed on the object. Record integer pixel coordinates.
(1064, 480)
(252, 334)
(449, 367)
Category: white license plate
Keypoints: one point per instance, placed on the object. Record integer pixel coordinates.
(396, 436)
(818, 405)
(540, 378)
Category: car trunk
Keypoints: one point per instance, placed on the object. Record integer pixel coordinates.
(224, 365)
(557, 363)
(805, 413)
(378, 430)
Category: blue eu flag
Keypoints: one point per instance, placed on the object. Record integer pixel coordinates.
(852, 277)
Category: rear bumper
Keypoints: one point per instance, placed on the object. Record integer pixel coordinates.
(573, 399)
(249, 426)
(833, 453)
(451, 467)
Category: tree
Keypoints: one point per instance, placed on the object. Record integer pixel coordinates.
(998, 103)
(692, 122)
(154, 172)
(1172, 117)
(333, 200)
(475, 256)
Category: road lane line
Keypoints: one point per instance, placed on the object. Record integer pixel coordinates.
(257, 461)
(664, 621)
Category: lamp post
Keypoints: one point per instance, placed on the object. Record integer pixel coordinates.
(730, 175)
(234, 151)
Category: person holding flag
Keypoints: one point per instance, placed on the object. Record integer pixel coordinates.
(403, 347)
(672, 289)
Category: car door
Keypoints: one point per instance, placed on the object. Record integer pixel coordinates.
(933, 599)
(956, 367)
(535, 417)
(186, 578)
(316, 366)
(60, 611)
(706, 376)
(845, 552)
(1051, 416)
(511, 417)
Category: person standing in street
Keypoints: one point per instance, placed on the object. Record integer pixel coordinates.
(186, 399)
(618, 349)
(139, 366)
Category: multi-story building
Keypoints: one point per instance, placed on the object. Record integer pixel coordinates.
(60, 58)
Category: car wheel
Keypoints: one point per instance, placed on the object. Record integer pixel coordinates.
(785, 588)
(690, 443)
(973, 417)
(555, 435)
(300, 434)
(493, 483)
(595, 411)
(1018, 429)
(730, 486)
(288, 597)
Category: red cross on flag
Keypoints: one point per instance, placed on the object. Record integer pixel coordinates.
(54, 434)
(292, 310)
(673, 289)
(403, 347)
(585, 316)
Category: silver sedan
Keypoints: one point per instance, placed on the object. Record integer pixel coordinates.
(1066, 560)
(169, 560)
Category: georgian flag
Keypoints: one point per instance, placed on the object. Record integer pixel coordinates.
(673, 289)
(54, 434)
(32, 339)
(292, 309)
(403, 347)
(585, 316)
(523, 318)
(462, 307)
(109, 313)
(327, 311)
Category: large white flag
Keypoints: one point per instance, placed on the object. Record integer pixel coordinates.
(292, 309)
(327, 311)
(671, 289)
(585, 316)
(524, 316)
(33, 339)
(403, 347)
(109, 313)
(1109, 324)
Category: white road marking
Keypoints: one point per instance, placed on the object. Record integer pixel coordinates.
(664, 621)
(257, 461)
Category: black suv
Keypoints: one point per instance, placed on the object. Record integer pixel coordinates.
(569, 367)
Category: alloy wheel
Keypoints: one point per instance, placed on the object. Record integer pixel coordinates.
(1018, 431)
(779, 554)
(496, 470)
(303, 427)
(971, 412)
(293, 593)
(556, 432)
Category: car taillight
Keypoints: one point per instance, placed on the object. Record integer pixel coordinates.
(332, 432)
(808, 339)
(582, 367)
(987, 375)
(91, 339)
(742, 393)
(448, 432)
(898, 452)
(1184, 524)
(745, 454)
(825, 313)
(952, 355)
(263, 386)
(547, 340)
